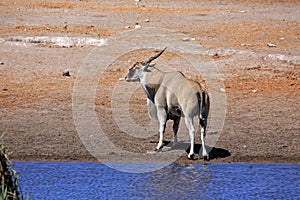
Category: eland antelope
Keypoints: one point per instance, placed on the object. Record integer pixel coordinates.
(170, 95)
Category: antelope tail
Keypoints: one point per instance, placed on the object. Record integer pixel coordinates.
(204, 104)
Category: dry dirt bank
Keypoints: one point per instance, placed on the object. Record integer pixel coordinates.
(262, 83)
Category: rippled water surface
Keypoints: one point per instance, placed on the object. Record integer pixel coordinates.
(86, 180)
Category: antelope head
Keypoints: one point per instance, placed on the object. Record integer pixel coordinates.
(136, 71)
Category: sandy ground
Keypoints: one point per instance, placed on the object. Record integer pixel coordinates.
(254, 44)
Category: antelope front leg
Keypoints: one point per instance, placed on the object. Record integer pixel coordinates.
(162, 117)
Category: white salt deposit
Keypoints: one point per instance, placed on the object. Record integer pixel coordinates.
(58, 41)
(281, 57)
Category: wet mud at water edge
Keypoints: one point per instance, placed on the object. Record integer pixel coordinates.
(254, 45)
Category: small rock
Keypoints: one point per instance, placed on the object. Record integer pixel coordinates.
(151, 152)
(185, 39)
(271, 45)
(137, 26)
(246, 45)
(254, 91)
(5, 89)
(1, 63)
(115, 70)
(146, 20)
(222, 90)
(66, 73)
(127, 27)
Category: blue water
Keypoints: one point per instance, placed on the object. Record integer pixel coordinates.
(87, 180)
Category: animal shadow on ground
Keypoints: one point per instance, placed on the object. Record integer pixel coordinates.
(214, 153)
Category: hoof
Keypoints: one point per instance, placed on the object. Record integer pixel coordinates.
(158, 149)
(191, 157)
(206, 158)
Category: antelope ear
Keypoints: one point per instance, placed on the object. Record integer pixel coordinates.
(147, 66)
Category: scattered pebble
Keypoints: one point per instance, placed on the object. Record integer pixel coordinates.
(246, 45)
(137, 26)
(254, 91)
(146, 20)
(220, 52)
(1, 63)
(222, 90)
(127, 27)
(115, 70)
(271, 45)
(151, 152)
(186, 39)
(66, 73)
